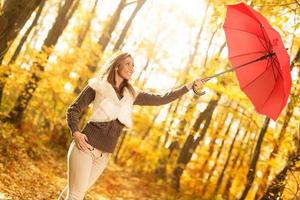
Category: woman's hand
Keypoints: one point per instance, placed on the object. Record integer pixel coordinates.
(81, 141)
(198, 83)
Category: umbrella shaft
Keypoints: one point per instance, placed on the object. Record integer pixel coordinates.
(239, 66)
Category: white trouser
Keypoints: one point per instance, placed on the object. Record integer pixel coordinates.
(84, 168)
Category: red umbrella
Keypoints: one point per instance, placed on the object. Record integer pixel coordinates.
(260, 60)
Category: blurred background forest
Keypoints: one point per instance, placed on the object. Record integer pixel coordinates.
(211, 147)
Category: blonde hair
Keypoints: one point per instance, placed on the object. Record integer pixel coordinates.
(114, 62)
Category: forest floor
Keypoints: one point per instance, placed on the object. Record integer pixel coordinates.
(40, 172)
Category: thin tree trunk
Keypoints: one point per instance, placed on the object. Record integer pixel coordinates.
(103, 42)
(106, 35)
(212, 146)
(254, 160)
(220, 178)
(123, 34)
(120, 145)
(146, 133)
(144, 68)
(207, 182)
(65, 13)
(83, 33)
(191, 144)
(243, 158)
(209, 45)
(191, 59)
(191, 106)
(235, 163)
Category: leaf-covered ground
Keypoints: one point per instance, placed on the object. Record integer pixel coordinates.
(39, 172)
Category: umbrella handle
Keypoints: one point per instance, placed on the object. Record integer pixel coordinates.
(198, 93)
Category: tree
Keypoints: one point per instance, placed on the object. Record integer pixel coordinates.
(65, 12)
(122, 36)
(13, 17)
(276, 188)
(192, 142)
(25, 36)
(252, 168)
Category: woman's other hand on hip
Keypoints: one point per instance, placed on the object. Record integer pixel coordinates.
(81, 141)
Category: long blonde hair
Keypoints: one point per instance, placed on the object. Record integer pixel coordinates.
(114, 62)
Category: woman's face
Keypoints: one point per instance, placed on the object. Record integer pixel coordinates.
(126, 68)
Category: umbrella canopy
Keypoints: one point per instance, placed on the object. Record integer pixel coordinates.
(253, 43)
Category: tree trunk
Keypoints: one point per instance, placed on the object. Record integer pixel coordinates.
(146, 133)
(83, 32)
(191, 144)
(235, 166)
(207, 182)
(212, 144)
(19, 47)
(289, 113)
(103, 42)
(106, 35)
(254, 160)
(191, 59)
(62, 19)
(28, 31)
(263, 185)
(116, 157)
(122, 36)
(15, 115)
(13, 17)
(209, 45)
(220, 178)
(276, 188)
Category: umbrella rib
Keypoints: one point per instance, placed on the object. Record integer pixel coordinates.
(265, 47)
(227, 27)
(268, 97)
(256, 77)
(273, 68)
(267, 42)
(274, 60)
(244, 54)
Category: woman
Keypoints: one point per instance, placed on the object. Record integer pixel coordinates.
(113, 98)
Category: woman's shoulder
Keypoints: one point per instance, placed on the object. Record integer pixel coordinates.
(97, 83)
(93, 82)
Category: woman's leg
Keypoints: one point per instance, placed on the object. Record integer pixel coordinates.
(79, 169)
(100, 162)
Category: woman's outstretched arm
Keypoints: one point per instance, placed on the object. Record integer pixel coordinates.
(149, 99)
(86, 96)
